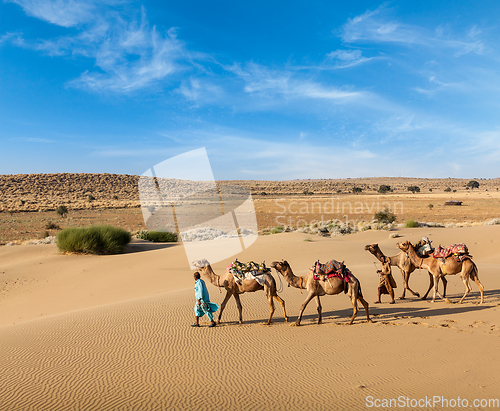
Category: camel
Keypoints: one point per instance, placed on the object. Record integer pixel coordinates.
(438, 269)
(234, 290)
(317, 288)
(404, 263)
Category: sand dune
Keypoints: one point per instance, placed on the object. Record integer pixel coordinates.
(112, 332)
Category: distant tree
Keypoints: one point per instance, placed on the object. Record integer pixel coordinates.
(473, 184)
(357, 190)
(307, 192)
(384, 216)
(431, 206)
(115, 197)
(430, 189)
(90, 197)
(384, 189)
(414, 189)
(447, 189)
(62, 211)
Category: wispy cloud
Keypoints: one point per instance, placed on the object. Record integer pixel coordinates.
(264, 81)
(129, 54)
(65, 13)
(376, 27)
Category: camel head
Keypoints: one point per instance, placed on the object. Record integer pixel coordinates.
(200, 263)
(280, 266)
(371, 247)
(404, 246)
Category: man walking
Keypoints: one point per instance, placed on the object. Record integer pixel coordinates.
(203, 305)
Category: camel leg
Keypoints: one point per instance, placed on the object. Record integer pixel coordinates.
(355, 308)
(223, 305)
(318, 304)
(436, 292)
(282, 303)
(240, 308)
(481, 288)
(407, 286)
(468, 288)
(365, 305)
(271, 304)
(303, 307)
(445, 283)
(431, 283)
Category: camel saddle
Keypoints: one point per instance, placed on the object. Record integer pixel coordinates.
(250, 271)
(333, 268)
(458, 251)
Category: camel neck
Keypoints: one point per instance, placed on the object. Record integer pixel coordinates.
(209, 273)
(293, 280)
(415, 259)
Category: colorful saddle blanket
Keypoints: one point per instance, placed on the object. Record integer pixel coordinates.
(251, 270)
(330, 269)
(458, 251)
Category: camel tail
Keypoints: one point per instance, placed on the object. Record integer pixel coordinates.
(360, 293)
(474, 272)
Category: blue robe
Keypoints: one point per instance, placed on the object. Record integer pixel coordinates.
(206, 307)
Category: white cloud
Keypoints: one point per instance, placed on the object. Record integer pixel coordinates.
(129, 54)
(65, 13)
(372, 26)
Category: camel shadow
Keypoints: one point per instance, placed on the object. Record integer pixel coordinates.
(438, 310)
(140, 246)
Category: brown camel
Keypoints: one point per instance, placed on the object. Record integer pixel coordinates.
(317, 288)
(404, 263)
(438, 269)
(234, 290)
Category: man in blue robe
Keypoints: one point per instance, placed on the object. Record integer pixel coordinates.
(203, 305)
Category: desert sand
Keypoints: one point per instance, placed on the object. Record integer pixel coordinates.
(81, 332)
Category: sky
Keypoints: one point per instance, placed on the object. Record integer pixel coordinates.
(274, 90)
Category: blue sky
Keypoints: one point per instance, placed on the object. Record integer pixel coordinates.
(273, 90)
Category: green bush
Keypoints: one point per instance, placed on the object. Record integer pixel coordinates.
(62, 211)
(414, 189)
(162, 237)
(447, 189)
(157, 236)
(277, 229)
(411, 224)
(384, 189)
(94, 240)
(52, 226)
(384, 216)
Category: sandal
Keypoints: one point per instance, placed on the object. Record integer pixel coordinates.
(195, 325)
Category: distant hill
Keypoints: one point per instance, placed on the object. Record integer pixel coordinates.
(45, 192)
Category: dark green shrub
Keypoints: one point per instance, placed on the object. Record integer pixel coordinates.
(90, 197)
(115, 197)
(357, 190)
(62, 211)
(447, 189)
(411, 224)
(384, 216)
(95, 240)
(52, 226)
(276, 230)
(384, 189)
(473, 184)
(414, 189)
(162, 237)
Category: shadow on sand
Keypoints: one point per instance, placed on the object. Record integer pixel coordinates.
(139, 246)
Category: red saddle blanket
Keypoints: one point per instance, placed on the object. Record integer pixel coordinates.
(458, 251)
(330, 269)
